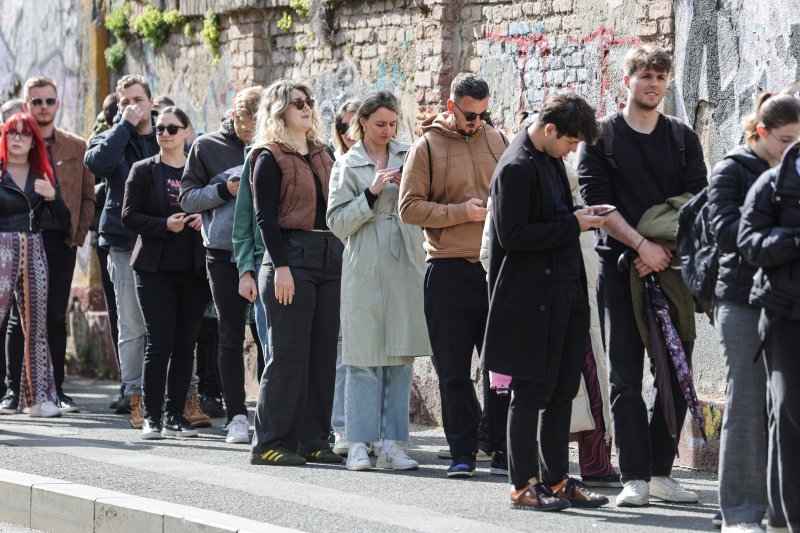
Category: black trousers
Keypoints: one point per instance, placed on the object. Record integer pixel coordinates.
(295, 399)
(231, 316)
(644, 445)
(172, 305)
(566, 342)
(456, 306)
(206, 355)
(110, 298)
(781, 339)
(60, 266)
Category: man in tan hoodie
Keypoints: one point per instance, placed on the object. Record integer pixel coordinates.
(444, 189)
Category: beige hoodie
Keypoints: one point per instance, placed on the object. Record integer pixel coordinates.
(439, 176)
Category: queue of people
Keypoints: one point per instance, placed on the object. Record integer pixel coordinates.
(359, 258)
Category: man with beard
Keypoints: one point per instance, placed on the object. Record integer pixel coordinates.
(76, 183)
(650, 157)
(444, 189)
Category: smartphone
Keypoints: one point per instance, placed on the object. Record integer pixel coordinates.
(606, 212)
(400, 169)
(235, 177)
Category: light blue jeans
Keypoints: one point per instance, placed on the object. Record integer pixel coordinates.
(130, 321)
(337, 415)
(261, 321)
(376, 403)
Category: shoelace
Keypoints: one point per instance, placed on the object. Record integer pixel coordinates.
(540, 489)
(573, 485)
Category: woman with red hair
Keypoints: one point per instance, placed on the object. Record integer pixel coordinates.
(27, 188)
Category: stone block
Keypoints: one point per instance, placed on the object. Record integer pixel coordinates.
(16, 490)
(659, 9)
(562, 6)
(181, 519)
(646, 28)
(51, 503)
(129, 514)
(666, 26)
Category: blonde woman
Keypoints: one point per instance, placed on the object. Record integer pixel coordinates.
(299, 281)
(383, 323)
(342, 141)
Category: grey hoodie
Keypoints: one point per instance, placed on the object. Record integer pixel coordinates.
(212, 160)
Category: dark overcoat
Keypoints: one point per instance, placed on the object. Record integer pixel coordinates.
(522, 238)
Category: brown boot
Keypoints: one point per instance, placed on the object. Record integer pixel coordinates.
(537, 497)
(193, 414)
(578, 494)
(137, 418)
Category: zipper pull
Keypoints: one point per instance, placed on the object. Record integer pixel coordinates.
(30, 220)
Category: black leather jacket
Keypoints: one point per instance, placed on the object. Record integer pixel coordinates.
(769, 237)
(730, 180)
(22, 210)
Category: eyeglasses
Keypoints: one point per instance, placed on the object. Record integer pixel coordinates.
(38, 101)
(470, 116)
(19, 134)
(783, 140)
(342, 128)
(300, 103)
(172, 129)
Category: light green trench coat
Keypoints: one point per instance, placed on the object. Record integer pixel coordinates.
(383, 269)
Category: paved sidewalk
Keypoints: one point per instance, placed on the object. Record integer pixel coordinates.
(97, 448)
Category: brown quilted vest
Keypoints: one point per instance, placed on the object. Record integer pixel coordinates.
(298, 202)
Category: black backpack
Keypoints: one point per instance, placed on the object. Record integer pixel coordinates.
(697, 248)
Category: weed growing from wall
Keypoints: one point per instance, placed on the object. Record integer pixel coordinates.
(115, 57)
(211, 33)
(154, 26)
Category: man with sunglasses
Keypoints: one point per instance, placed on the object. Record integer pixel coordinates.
(111, 154)
(76, 183)
(444, 189)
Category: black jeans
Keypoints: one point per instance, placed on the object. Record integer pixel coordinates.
(231, 316)
(781, 339)
(206, 354)
(456, 306)
(172, 305)
(566, 342)
(60, 266)
(644, 446)
(295, 398)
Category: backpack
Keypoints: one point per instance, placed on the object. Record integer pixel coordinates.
(697, 248)
(676, 126)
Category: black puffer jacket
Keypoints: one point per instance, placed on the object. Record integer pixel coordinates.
(730, 180)
(769, 237)
(22, 210)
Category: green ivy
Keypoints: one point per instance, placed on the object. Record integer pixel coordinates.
(211, 33)
(153, 25)
(189, 31)
(285, 23)
(115, 57)
(301, 7)
(117, 22)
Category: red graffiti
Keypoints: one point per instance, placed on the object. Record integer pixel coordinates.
(606, 37)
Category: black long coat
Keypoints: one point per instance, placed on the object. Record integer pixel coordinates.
(523, 236)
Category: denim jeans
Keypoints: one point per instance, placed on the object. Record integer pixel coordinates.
(131, 340)
(743, 449)
(376, 403)
(261, 322)
(337, 416)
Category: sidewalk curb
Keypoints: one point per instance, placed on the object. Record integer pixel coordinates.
(62, 507)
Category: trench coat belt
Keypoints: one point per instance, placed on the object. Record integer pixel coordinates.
(403, 230)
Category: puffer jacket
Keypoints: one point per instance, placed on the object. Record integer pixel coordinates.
(730, 180)
(769, 237)
(444, 169)
(21, 211)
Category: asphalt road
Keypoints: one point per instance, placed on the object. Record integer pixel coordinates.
(96, 447)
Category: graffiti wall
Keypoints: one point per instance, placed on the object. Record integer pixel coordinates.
(726, 53)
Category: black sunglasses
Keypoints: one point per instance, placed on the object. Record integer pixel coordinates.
(172, 129)
(38, 101)
(470, 116)
(342, 128)
(300, 103)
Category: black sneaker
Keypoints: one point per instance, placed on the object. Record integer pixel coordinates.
(118, 397)
(177, 426)
(212, 406)
(123, 405)
(717, 520)
(66, 404)
(611, 480)
(325, 456)
(9, 404)
(463, 466)
(499, 465)
(277, 456)
(151, 430)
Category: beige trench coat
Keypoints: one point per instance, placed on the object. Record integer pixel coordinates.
(383, 268)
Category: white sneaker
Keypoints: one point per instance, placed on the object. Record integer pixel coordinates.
(340, 446)
(667, 489)
(635, 493)
(358, 458)
(394, 457)
(45, 409)
(238, 430)
(151, 432)
(776, 529)
(743, 528)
